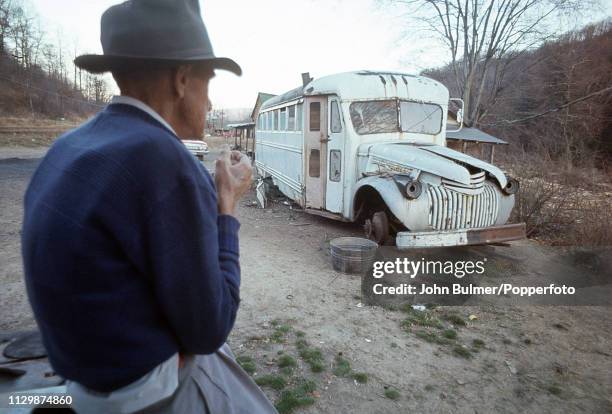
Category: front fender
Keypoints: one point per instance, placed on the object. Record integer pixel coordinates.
(414, 214)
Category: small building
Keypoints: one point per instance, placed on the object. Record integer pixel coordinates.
(244, 137)
(261, 98)
(244, 133)
(471, 141)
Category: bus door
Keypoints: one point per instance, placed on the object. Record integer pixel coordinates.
(315, 150)
(335, 157)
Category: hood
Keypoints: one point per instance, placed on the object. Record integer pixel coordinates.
(434, 159)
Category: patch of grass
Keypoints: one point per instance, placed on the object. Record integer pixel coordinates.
(462, 352)
(450, 334)
(300, 334)
(286, 371)
(360, 377)
(429, 387)
(287, 361)
(407, 308)
(311, 354)
(275, 382)
(247, 364)
(432, 337)
(554, 389)
(455, 319)
(317, 367)
(313, 357)
(278, 337)
(343, 367)
(419, 318)
(299, 396)
(392, 393)
(478, 343)
(301, 344)
(279, 333)
(390, 307)
(275, 322)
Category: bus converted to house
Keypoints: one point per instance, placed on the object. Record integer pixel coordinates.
(370, 147)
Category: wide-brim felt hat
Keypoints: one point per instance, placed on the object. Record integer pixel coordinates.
(153, 32)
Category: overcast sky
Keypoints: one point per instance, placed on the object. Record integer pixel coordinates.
(275, 41)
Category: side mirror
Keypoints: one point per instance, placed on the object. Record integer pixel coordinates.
(460, 106)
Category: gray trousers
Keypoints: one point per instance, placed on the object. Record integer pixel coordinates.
(214, 384)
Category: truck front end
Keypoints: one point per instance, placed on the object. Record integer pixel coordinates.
(433, 196)
(410, 185)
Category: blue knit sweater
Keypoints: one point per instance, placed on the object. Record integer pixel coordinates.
(126, 258)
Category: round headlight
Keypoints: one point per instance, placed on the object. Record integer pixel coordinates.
(512, 186)
(413, 189)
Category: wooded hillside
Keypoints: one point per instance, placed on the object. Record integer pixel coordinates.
(554, 101)
(36, 77)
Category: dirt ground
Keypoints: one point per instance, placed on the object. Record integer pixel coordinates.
(514, 359)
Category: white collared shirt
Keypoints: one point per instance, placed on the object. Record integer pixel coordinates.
(159, 383)
(128, 100)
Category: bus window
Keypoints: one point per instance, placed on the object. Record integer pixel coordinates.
(421, 118)
(314, 163)
(374, 117)
(291, 112)
(298, 118)
(283, 118)
(335, 123)
(335, 165)
(276, 119)
(315, 117)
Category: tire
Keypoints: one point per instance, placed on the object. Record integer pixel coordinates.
(376, 227)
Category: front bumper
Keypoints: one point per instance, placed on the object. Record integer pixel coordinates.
(460, 237)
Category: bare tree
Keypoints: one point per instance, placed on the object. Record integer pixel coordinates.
(96, 89)
(22, 36)
(6, 9)
(484, 37)
(50, 59)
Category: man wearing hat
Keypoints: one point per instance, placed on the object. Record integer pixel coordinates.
(130, 248)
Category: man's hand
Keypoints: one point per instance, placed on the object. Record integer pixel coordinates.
(233, 174)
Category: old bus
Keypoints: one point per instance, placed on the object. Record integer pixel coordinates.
(370, 147)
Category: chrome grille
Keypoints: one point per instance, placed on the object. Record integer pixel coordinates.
(477, 181)
(450, 210)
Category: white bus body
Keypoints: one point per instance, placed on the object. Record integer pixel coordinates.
(370, 147)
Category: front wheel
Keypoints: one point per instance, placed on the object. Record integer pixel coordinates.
(376, 227)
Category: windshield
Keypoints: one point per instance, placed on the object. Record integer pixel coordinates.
(421, 118)
(375, 117)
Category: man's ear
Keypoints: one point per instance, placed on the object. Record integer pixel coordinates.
(180, 76)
